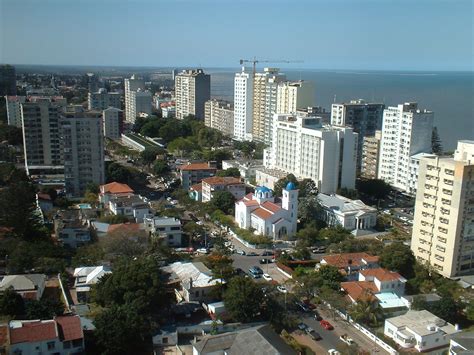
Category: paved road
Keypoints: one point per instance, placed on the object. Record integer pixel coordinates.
(330, 340)
(246, 262)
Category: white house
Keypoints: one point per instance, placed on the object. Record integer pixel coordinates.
(168, 229)
(87, 276)
(420, 330)
(113, 189)
(218, 183)
(353, 215)
(261, 212)
(134, 206)
(247, 168)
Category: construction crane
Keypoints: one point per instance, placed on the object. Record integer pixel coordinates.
(254, 62)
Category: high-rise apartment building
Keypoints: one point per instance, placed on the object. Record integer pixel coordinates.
(370, 156)
(112, 120)
(243, 105)
(102, 99)
(294, 95)
(41, 133)
(7, 80)
(443, 228)
(306, 148)
(406, 131)
(92, 83)
(83, 151)
(219, 115)
(13, 104)
(364, 118)
(265, 89)
(132, 85)
(192, 90)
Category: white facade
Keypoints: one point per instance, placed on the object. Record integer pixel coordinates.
(421, 330)
(112, 119)
(306, 148)
(294, 95)
(131, 85)
(260, 212)
(192, 90)
(217, 183)
(13, 104)
(133, 206)
(243, 106)
(166, 228)
(219, 115)
(443, 225)
(102, 99)
(413, 169)
(268, 177)
(406, 131)
(247, 168)
(139, 103)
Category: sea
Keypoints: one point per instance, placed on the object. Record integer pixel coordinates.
(450, 95)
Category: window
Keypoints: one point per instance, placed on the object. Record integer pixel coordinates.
(66, 344)
(50, 345)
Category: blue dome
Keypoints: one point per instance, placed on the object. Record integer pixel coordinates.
(262, 189)
(290, 186)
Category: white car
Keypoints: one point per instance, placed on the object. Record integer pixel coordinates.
(267, 277)
(199, 223)
(203, 251)
(344, 338)
(282, 289)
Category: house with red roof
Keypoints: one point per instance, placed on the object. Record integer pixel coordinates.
(61, 335)
(217, 183)
(112, 190)
(350, 263)
(193, 173)
(195, 192)
(267, 216)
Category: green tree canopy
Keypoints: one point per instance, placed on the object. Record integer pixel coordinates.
(334, 235)
(217, 155)
(310, 210)
(43, 309)
(148, 156)
(375, 188)
(171, 130)
(234, 172)
(281, 184)
(11, 303)
(11, 134)
(307, 188)
(118, 173)
(243, 299)
(161, 167)
(222, 200)
(366, 311)
(181, 146)
(398, 257)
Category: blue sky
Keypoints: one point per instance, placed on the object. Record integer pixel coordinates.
(330, 34)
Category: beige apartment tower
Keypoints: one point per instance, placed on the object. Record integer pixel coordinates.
(219, 114)
(370, 156)
(443, 229)
(192, 90)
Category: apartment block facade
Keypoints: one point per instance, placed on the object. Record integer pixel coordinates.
(112, 120)
(132, 85)
(443, 228)
(102, 99)
(219, 114)
(13, 104)
(294, 95)
(370, 156)
(192, 90)
(243, 105)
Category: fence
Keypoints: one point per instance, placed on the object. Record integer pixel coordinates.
(63, 291)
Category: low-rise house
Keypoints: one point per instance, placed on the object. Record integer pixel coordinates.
(462, 344)
(350, 263)
(256, 340)
(112, 190)
(167, 229)
(218, 183)
(192, 281)
(133, 206)
(426, 298)
(44, 201)
(353, 215)
(87, 276)
(268, 177)
(420, 330)
(195, 192)
(193, 173)
(28, 286)
(71, 229)
(247, 168)
(58, 336)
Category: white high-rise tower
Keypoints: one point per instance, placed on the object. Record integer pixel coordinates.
(243, 105)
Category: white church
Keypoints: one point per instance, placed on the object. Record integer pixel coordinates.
(267, 216)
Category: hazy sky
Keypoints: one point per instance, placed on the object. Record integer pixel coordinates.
(330, 34)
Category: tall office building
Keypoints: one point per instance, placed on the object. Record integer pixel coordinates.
(41, 134)
(83, 151)
(112, 120)
(13, 104)
(406, 131)
(7, 80)
(306, 148)
(192, 90)
(370, 156)
(265, 89)
(132, 85)
(443, 228)
(364, 118)
(243, 105)
(92, 83)
(294, 95)
(220, 115)
(102, 99)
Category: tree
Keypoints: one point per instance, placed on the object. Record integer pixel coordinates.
(171, 130)
(446, 308)
(151, 128)
(217, 155)
(208, 137)
(334, 235)
(307, 188)
(148, 156)
(246, 147)
(43, 309)
(307, 236)
(349, 193)
(160, 167)
(123, 242)
(310, 210)
(366, 311)
(13, 135)
(470, 310)
(181, 146)
(93, 188)
(11, 303)
(222, 200)
(331, 277)
(233, 172)
(243, 299)
(281, 184)
(398, 257)
(375, 188)
(118, 173)
(436, 146)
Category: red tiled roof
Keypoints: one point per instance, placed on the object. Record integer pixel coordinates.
(250, 203)
(69, 328)
(381, 274)
(196, 187)
(349, 259)
(360, 289)
(249, 196)
(261, 213)
(3, 335)
(44, 197)
(219, 180)
(29, 295)
(126, 227)
(196, 166)
(116, 188)
(273, 207)
(33, 332)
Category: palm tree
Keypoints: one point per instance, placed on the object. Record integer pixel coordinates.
(367, 311)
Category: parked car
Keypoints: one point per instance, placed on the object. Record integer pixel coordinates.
(302, 306)
(308, 303)
(344, 338)
(241, 252)
(267, 253)
(239, 271)
(326, 325)
(282, 289)
(317, 316)
(265, 261)
(267, 277)
(203, 251)
(199, 223)
(252, 254)
(314, 334)
(302, 326)
(256, 272)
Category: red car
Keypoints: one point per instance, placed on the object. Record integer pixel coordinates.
(326, 325)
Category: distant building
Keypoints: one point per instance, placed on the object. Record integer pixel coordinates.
(353, 215)
(133, 84)
(112, 190)
(193, 173)
(219, 115)
(112, 120)
(294, 95)
(247, 168)
(406, 131)
(28, 286)
(192, 90)
(216, 183)
(132, 206)
(102, 100)
(7, 80)
(243, 106)
(13, 104)
(351, 263)
(87, 276)
(420, 330)
(268, 177)
(92, 83)
(70, 229)
(166, 229)
(443, 233)
(370, 156)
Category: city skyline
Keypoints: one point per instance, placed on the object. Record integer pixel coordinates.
(373, 35)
